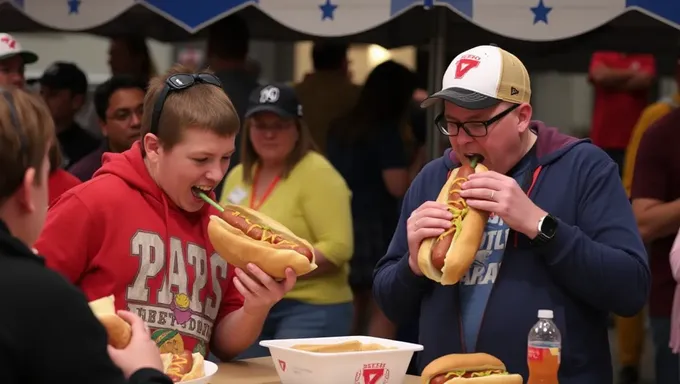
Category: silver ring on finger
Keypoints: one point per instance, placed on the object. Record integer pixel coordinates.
(492, 193)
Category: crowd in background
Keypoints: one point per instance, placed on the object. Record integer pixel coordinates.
(332, 160)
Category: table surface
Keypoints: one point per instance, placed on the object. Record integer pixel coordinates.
(259, 371)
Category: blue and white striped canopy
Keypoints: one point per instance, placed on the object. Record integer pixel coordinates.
(533, 20)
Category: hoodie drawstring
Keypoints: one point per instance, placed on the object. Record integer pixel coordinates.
(166, 220)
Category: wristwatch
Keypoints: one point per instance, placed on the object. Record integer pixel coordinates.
(547, 226)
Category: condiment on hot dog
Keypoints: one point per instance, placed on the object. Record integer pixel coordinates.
(472, 368)
(258, 230)
(184, 366)
(241, 235)
(447, 257)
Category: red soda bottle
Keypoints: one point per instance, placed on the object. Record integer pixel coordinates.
(543, 352)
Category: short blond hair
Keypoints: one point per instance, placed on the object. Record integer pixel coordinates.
(202, 106)
(24, 137)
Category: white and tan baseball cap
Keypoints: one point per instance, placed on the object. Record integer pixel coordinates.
(9, 46)
(482, 77)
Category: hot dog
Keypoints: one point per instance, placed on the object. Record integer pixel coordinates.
(241, 235)
(472, 368)
(258, 230)
(118, 331)
(184, 366)
(447, 257)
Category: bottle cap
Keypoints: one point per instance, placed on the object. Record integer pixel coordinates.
(545, 314)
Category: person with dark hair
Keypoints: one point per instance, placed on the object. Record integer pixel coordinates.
(64, 87)
(228, 45)
(368, 150)
(329, 56)
(119, 103)
(129, 55)
(328, 92)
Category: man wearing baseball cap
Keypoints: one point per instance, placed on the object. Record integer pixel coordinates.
(64, 87)
(13, 59)
(561, 234)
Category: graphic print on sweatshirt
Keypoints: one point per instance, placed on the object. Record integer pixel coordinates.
(178, 295)
(476, 284)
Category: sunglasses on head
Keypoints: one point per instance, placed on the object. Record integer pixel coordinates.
(176, 83)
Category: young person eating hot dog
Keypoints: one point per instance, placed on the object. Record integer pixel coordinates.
(138, 229)
(281, 175)
(528, 218)
(47, 330)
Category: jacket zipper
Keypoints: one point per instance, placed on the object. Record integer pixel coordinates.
(535, 173)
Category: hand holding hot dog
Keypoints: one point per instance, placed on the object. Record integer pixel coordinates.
(141, 352)
(260, 291)
(429, 220)
(492, 192)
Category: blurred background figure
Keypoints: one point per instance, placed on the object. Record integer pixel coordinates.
(129, 55)
(283, 176)
(59, 180)
(63, 86)
(367, 147)
(328, 92)
(13, 61)
(119, 103)
(227, 50)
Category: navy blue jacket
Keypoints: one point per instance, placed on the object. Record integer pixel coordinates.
(595, 264)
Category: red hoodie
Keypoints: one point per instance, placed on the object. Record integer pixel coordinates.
(120, 234)
(59, 182)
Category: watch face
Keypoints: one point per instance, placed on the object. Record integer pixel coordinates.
(549, 226)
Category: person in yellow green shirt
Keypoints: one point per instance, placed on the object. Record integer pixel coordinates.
(631, 330)
(283, 176)
(649, 116)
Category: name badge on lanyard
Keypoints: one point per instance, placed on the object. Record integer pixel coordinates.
(237, 195)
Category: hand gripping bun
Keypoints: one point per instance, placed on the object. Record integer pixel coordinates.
(469, 362)
(464, 245)
(118, 330)
(277, 249)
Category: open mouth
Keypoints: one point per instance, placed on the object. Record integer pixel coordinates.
(470, 156)
(198, 189)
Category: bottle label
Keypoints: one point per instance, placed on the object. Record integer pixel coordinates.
(535, 354)
(538, 353)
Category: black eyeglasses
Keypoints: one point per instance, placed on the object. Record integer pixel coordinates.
(472, 128)
(175, 83)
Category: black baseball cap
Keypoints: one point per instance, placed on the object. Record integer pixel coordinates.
(63, 75)
(277, 98)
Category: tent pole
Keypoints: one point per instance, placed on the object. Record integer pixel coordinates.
(436, 68)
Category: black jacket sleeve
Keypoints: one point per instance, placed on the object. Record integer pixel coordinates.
(66, 340)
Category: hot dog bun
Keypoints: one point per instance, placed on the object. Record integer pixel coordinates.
(118, 330)
(469, 362)
(239, 249)
(197, 369)
(463, 248)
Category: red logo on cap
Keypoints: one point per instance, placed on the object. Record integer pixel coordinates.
(8, 41)
(465, 64)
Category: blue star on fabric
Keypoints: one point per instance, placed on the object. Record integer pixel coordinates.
(327, 10)
(541, 12)
(73, 6)
(428, 4)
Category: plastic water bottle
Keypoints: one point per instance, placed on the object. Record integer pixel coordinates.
(543, 352)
